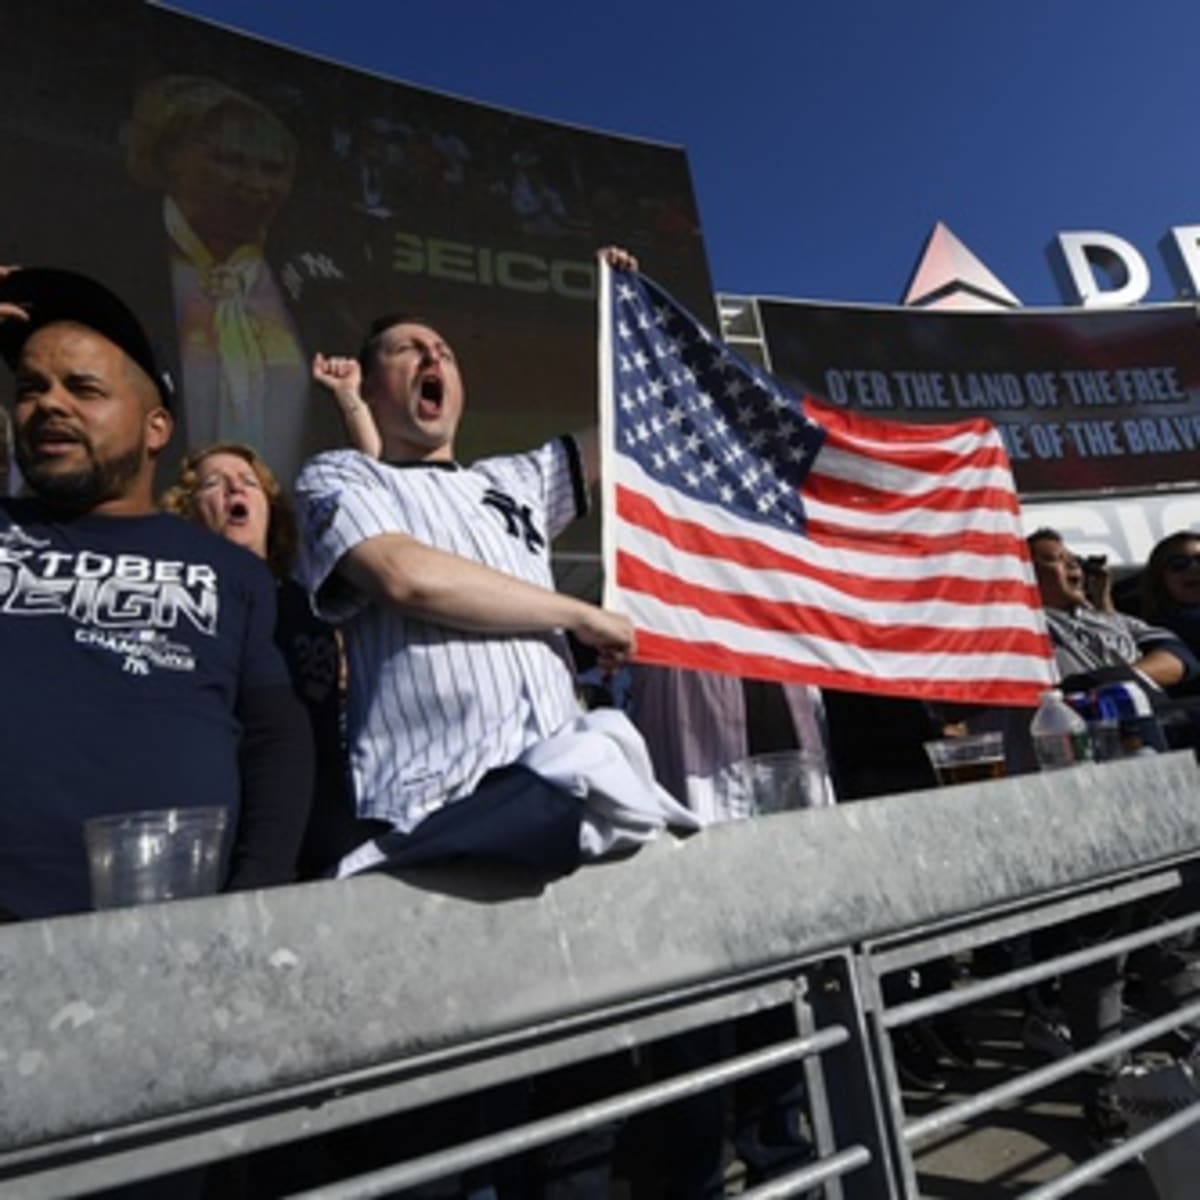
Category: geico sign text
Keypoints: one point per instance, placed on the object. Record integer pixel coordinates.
(1101, 270)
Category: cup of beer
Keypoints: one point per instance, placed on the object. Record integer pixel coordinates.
(968, 759)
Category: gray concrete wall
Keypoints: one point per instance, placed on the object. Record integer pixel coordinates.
(116, 1017)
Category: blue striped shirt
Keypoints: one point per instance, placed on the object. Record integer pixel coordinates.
(432, 709)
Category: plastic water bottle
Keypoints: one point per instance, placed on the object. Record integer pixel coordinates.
(1060, 734)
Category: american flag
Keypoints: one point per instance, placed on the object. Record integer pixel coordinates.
(751, 533)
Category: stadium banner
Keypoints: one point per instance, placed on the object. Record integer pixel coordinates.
(1086, 401)
(254, 205)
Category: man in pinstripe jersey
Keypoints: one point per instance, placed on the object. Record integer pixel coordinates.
(441, 577)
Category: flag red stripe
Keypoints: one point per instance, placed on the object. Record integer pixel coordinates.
(779, 616)
(870, 429)
(831, 489)
(708, 656)
(912, 545)
(695, 538)
(932, 460)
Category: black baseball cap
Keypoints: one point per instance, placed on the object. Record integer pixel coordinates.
(48, 295)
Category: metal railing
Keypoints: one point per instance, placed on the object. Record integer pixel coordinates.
(874, 962)
(144, 1041)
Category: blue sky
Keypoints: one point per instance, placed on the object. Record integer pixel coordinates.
(827, 136)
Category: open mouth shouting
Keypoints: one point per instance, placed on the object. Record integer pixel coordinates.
(415, 391)
(430, 394)
(229, 499)
(241, 518)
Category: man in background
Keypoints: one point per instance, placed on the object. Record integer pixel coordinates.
(1090, 638)
(1093, 643)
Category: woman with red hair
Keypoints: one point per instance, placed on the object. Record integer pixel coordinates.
(228, 488)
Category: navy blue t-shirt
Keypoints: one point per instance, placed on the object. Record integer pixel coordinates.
(125, 642)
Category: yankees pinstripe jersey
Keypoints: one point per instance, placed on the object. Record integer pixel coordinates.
(433, 709)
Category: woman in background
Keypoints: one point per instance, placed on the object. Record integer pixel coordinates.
(1170, 597)
(1171, 586)
(229, 489)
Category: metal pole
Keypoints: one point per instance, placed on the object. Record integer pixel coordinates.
(955, 1114)
(930, 1006)
(550, 1129)
(1150, 1137)
(809, 1176)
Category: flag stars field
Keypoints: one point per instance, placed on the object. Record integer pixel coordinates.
(682, 433)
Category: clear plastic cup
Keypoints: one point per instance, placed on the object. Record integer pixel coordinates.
(969, 759)
(1106, 739)
(770, 783)
(153, 855)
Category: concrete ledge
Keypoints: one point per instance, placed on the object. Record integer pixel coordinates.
(111, 1018)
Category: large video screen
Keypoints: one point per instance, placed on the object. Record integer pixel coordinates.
(255, 205)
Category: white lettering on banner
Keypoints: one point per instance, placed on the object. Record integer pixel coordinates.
(996, 393)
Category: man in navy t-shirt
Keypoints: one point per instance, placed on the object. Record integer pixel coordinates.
(141, 667)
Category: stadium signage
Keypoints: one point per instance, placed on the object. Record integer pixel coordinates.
(1096, 269)
(514, 270)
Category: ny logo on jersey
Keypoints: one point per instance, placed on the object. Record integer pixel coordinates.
(518, 518)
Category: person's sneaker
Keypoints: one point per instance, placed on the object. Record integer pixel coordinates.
(1046, 1036)
(916, 1063)
(1105, 1125)
(764, 1160)
(948, 1038)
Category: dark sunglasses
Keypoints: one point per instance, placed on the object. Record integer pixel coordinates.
(1178, 563)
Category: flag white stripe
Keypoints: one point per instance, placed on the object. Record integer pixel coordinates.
(875, 448)
(785, 587)
(647, 612)
(926, 522)
(854, 561)
(905, 481)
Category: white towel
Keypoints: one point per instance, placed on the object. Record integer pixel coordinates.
(601, 758)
